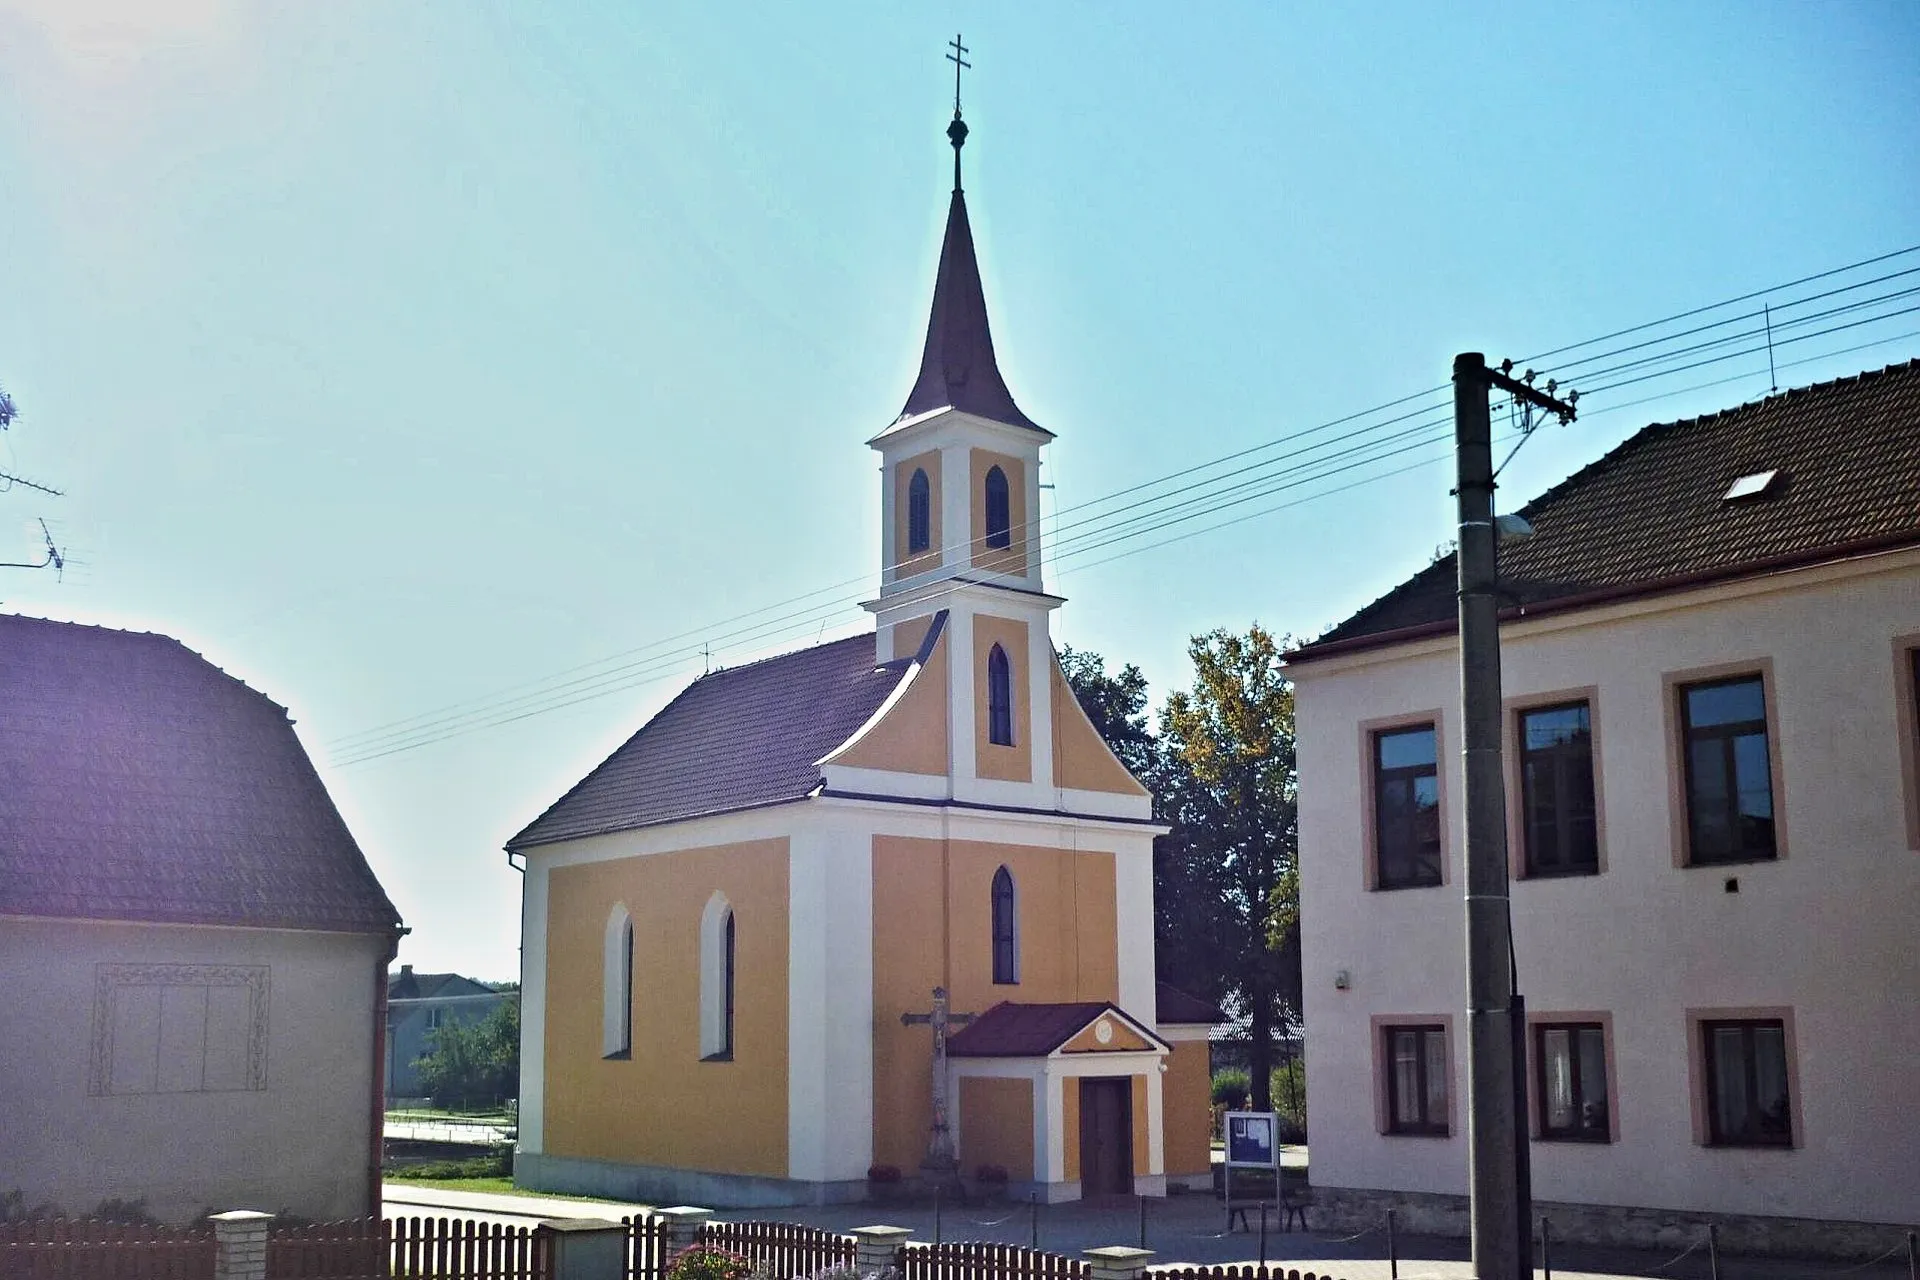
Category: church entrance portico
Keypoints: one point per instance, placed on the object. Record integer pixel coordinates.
(1067, 1098)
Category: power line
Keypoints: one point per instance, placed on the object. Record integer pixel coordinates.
(628, 669)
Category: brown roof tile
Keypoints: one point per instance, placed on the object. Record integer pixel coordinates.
(140, 782)
(1174, 1005)
(1651, 514)
(736, 739)
(1010, 1030)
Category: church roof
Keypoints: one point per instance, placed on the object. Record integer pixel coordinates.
(957, 368)
(138, 781)
(1173, 1005)
(739, 738)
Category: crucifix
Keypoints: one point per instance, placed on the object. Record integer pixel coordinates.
(941, 1163)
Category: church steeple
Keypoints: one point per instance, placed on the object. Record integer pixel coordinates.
(957, 367)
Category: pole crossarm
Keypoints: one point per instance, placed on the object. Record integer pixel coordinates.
(1520, 390)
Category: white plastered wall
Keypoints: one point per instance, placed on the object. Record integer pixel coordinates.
(79, 1130)
(1827, 931)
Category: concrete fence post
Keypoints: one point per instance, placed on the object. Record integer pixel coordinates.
(684, 1223)
(1117, 1262)
(240, 1244)
(876, 1248)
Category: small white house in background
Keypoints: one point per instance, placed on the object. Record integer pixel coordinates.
(418, 1004)
(1713, 781)
(193, 952)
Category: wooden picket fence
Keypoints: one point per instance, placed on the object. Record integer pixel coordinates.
(784, 1249)
(357, 1249)
(974, 1261)
(80, 1249)
(647, 1250)
(414, 1248)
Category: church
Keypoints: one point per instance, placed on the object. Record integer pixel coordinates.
(881, 905)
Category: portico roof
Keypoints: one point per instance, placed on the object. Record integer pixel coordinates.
(1010, 1030)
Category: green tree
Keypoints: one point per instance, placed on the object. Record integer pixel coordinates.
(1234, 807)
(473, 1062)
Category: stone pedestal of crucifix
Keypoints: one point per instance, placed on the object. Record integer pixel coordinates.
(941, 1167)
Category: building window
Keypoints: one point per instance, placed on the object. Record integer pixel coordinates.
(999, 698)
(1406, 807)
(433, 1019)
(999, 512)
(1572, 1065)
(1908, 675)
(1746, 1071)
(1417, 1080)
(616, 986)
(1729, 777)
(919, 513)
(717, 976)
(1006, 929)
(1556, 790)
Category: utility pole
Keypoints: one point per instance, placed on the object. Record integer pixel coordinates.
(1500, 1199)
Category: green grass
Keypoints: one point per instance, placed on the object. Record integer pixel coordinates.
(494, 1186)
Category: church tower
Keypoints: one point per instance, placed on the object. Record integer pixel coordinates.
(960, 536)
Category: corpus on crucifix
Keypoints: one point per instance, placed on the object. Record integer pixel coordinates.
(941, 1165)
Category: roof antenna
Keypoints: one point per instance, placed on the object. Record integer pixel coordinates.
(957, 131)
(706, 659)
(1772, 381)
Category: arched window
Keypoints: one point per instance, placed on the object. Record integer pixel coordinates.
(1006, 929)
(716, 980)
(616, 986)
(999, 517)
(999, 698)
(919, 513)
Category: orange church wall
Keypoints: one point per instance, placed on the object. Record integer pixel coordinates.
(1088, 1041)
(1142, 1157)
(1186, 1109)
(1014, 763)
(912, 736)
(664, 1106)
(1081, 759)
(1070, 1127)
(996, 1124)
(908, 635)
(1009, 559)
(1068, 951)
(929, 462)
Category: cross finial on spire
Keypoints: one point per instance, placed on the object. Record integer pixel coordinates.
(957, 131)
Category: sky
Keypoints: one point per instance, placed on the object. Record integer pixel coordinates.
(402, 357)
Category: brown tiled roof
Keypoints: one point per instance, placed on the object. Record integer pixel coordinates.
(1010, 1030)
(736, 739)
(140, 782)
(1651, 515)
(1172, 1005)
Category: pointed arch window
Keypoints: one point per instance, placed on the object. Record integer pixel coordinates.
(919, 513)
(716, 980)
(999, 513)
(1006, 929)
(999, 698)
(616, 986)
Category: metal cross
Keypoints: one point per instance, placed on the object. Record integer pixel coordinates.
(959, 59)
(941, 1158)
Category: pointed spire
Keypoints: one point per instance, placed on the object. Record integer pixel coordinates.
(957, 369)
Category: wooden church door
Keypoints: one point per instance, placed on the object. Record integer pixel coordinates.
(1106, 1136)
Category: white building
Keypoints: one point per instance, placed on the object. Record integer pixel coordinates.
(193, 952)
(1713, 787)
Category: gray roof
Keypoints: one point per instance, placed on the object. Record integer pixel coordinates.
(138, 781)
(1652, 514)
(739, 738)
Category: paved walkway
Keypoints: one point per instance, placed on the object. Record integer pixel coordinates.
(1180, 1229)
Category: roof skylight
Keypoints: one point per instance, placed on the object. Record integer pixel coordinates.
(1756, 485)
